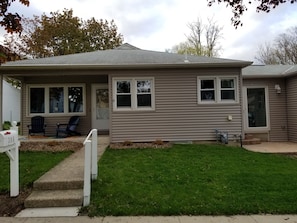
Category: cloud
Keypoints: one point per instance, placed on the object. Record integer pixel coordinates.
(159, 25)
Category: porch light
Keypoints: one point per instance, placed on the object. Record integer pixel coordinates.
(278, 89)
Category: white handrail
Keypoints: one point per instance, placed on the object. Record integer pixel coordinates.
(91, 166)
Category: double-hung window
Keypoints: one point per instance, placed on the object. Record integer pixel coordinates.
(207, 90)
(56, 99)
(227, 89)
(133, 94)
(213, 90)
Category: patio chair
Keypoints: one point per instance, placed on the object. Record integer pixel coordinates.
(37, 125)
(68, 129)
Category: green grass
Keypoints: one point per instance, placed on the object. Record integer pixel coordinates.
(193, 180)
(32, 165)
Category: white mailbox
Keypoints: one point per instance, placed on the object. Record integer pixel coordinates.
(8, 138)
(9, 144)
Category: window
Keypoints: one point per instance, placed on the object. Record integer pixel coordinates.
(227, 89)
(56, 95)
(124, 94)
(50, 100)
(144, 97)
(133, 94)
(217, 90)
(75, 99)
(207, 90)
(37, 100)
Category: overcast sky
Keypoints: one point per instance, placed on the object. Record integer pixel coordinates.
(161, 24)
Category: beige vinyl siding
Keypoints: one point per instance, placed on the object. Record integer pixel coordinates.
(51, 121)
(277, 107)
(177, 115)
(292, 108)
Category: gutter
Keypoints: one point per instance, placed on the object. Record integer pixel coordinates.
(30, 69)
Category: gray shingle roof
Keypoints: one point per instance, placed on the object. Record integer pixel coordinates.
(269, 71)
(127, 55)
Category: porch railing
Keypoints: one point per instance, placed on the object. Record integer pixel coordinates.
(91, 164)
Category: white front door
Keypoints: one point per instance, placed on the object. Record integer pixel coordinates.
(100, 107)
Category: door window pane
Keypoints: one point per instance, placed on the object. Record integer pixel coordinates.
(37, 100)
(56, 100)
(256, 107)
(102, 104)
(75, 99)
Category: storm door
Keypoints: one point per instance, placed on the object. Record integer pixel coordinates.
(100, 107)
(256, 108)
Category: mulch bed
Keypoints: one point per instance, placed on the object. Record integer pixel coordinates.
(50, 146)
(136, 145)
(10, 206)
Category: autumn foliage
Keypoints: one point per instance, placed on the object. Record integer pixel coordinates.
(62, 33)
(11, 21)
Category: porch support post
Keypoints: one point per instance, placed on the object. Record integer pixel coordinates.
(1, 101)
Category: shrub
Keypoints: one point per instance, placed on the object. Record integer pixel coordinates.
(6, 125)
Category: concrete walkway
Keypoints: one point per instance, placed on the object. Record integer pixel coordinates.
(59, 191)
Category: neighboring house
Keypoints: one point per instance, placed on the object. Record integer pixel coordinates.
(11, 103)
(140, 95)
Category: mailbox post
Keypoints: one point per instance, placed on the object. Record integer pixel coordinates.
(9, 144)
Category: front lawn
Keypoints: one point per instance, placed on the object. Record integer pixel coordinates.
(193, 180)
(32, 165)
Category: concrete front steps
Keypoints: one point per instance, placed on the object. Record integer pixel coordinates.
(54, 198)
(62, 186)
(251, 140)
(59, 192)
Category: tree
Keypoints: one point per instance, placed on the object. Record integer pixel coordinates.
(203, 39)
(11, 21)
(62, 34)
(238, 7)
(282, 51)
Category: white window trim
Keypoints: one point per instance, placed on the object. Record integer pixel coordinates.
(245, 107)
(199, 90)
(217, 83)
(46, 99)
(133, 88)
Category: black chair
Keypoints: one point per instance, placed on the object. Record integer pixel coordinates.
(37, 125)
(68, 129)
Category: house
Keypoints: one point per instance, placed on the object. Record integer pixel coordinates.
(141, 95)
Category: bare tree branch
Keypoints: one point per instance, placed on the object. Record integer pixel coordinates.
(282, 51)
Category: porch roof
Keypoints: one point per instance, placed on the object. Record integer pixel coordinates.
(123, 57)
(269, 71)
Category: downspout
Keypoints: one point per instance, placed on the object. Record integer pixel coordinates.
(1, 102)
(242, 107)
